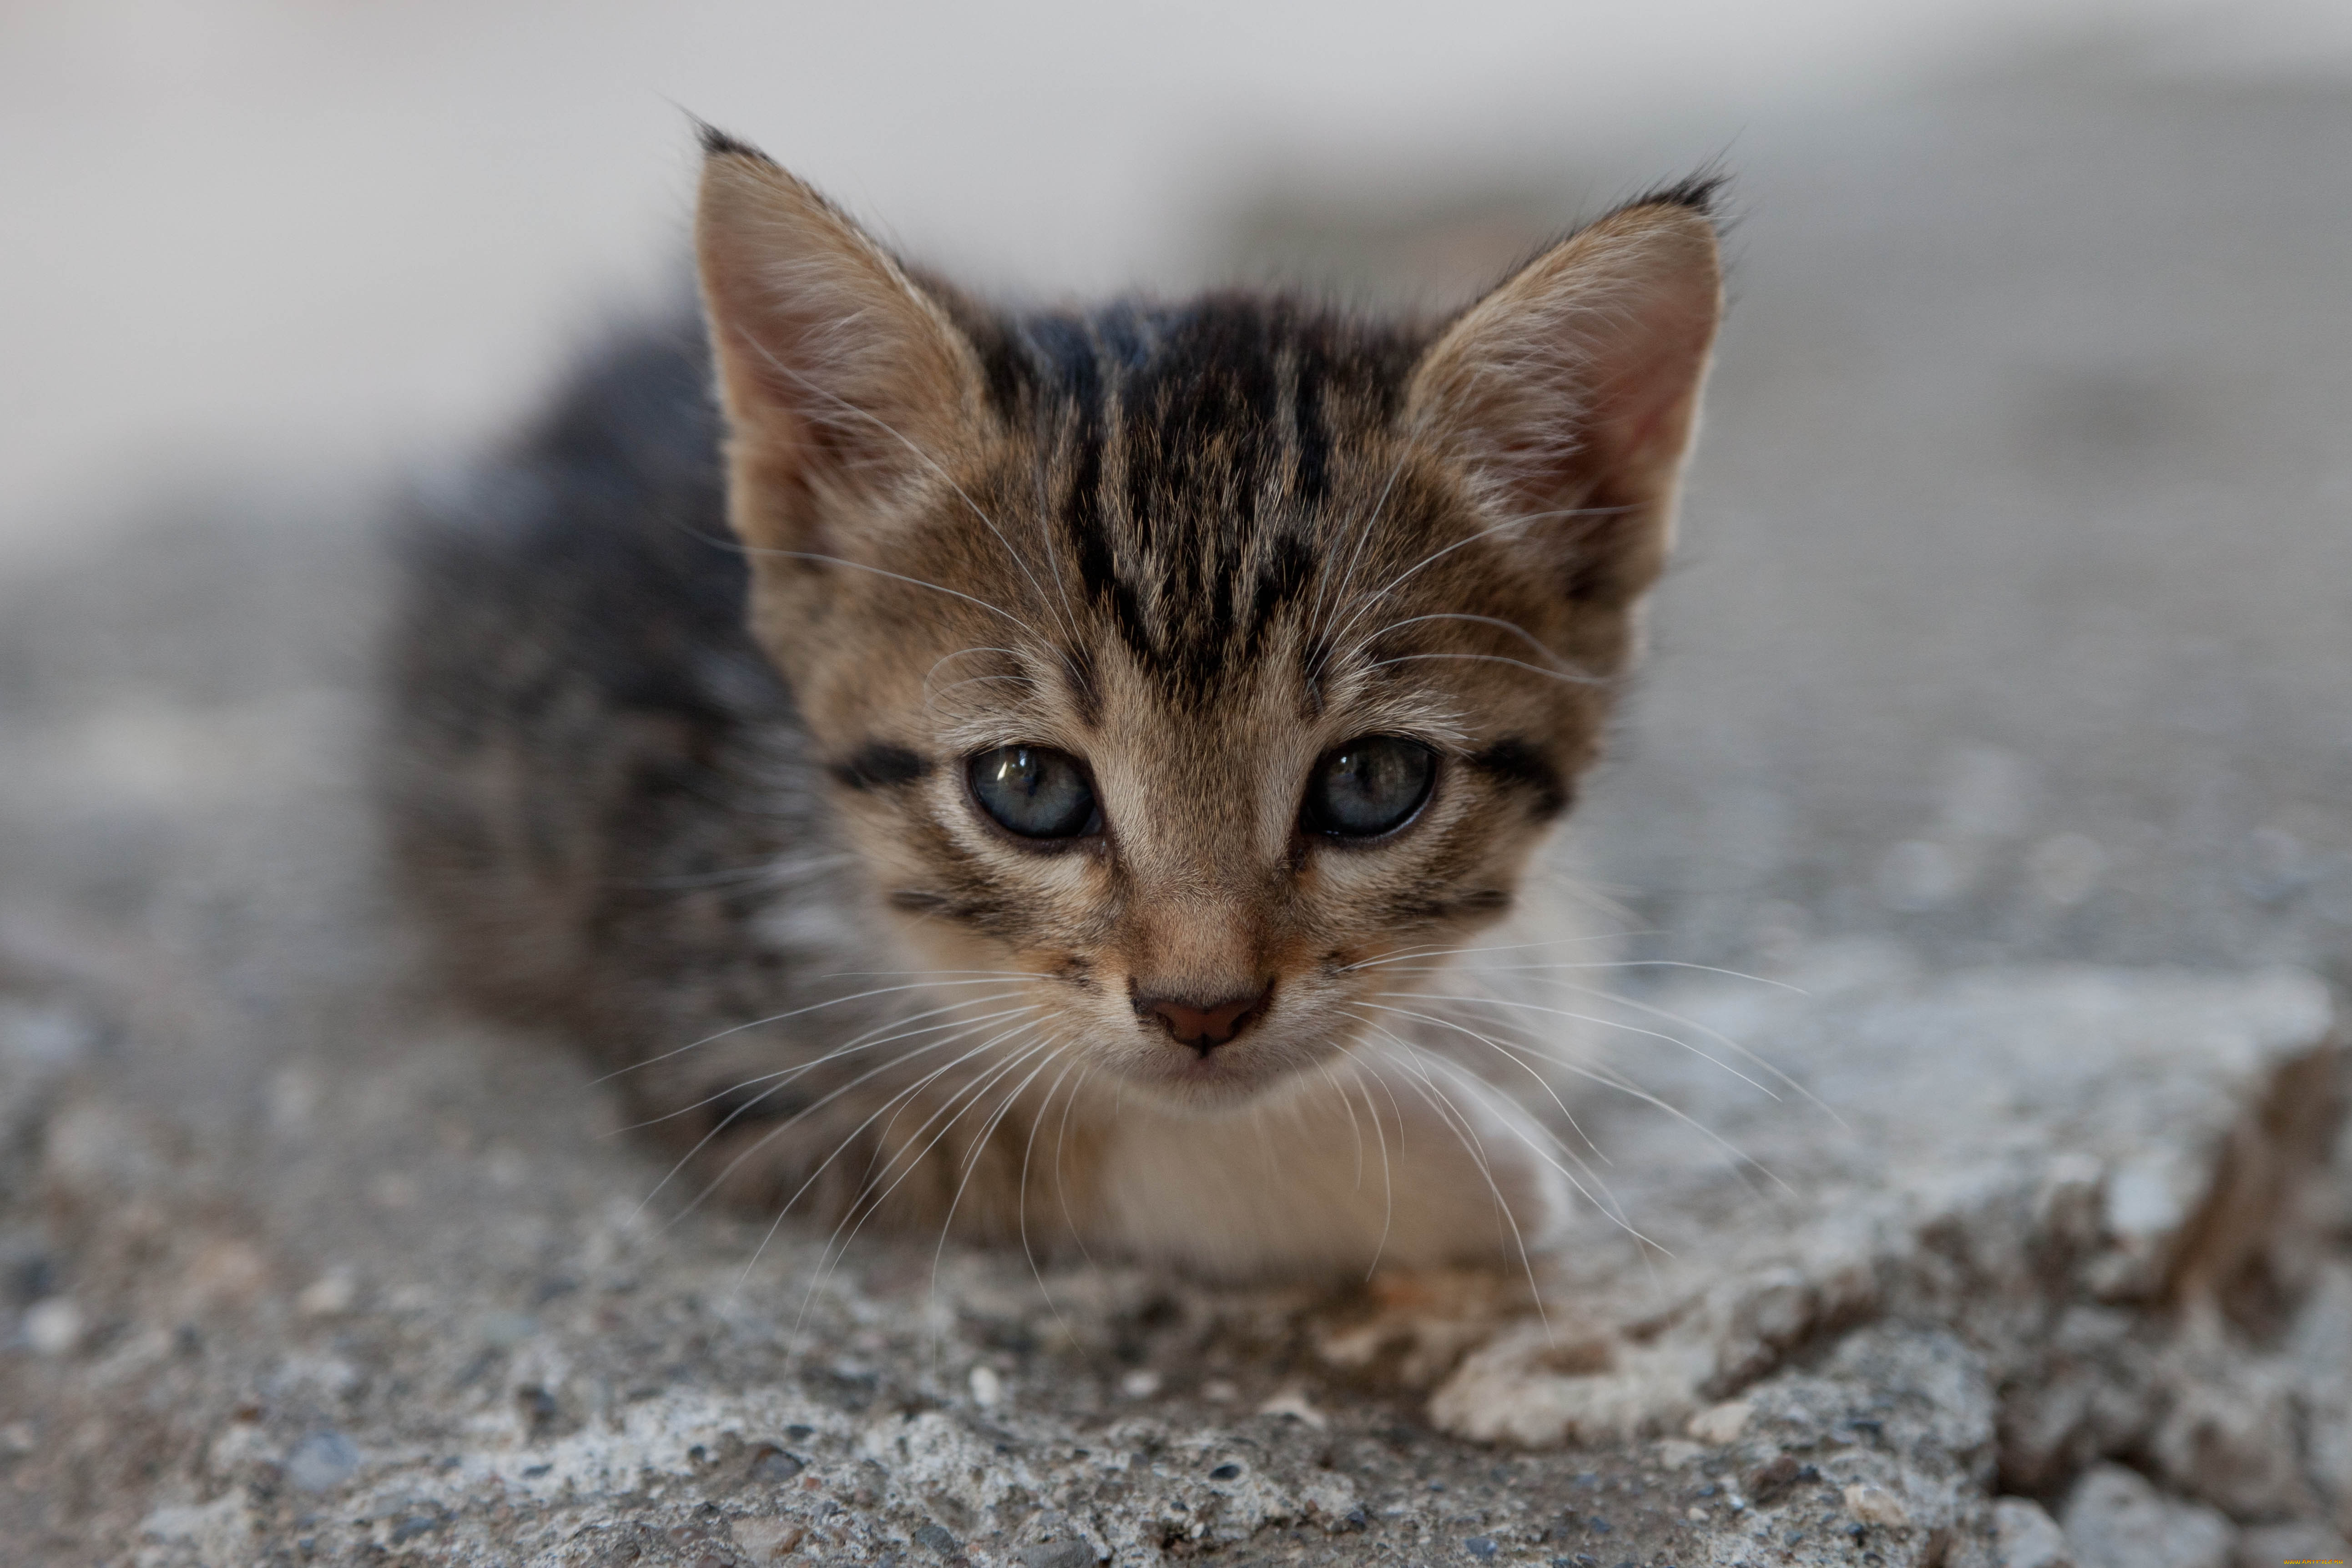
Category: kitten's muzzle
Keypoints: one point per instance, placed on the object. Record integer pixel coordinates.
(1203, 1023)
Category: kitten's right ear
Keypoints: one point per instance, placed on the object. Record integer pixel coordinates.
(842, 381)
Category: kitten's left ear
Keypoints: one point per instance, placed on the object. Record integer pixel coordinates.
(1575, 386)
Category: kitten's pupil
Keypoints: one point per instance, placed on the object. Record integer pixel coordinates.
(1371, 785)
(1033, 790)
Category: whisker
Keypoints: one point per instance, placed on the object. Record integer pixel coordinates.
(920, 456)
(980, 1147)
(968, 1028)
(1028, 1149)
(1572, 680)
(1762, 1063)
(788, 1122)
(1621, 1085)
(1452, 952)
(785, 1075)
(779, 1017)
(887, 1106)
(1636, 963)
(1353, 1125)
(1061, 1182)
(1454, 1117)
(1521, 520)
(900, 577)
(1598, 1195)
(1363, 535)
(1542, 1081)
(1590, 1018)
(1513, 628)
(886, 974)
(766, 870)
(1603, 1200)
(1545, 973)
(870, 1203)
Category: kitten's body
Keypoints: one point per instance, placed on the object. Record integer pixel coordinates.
(1195, 549)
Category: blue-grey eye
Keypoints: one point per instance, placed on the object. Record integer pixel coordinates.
(1369, 786)
(1034, 791)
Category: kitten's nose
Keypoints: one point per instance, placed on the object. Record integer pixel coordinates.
(1204, 1024)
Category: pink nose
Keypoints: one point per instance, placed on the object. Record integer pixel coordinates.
(1204, 1024)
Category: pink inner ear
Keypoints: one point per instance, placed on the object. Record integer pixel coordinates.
(1583, 372)
(1643, 402)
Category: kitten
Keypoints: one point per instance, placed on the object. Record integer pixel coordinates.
(1133, 706)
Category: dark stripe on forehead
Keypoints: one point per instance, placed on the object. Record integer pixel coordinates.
(1189, 451)
(1309, 434)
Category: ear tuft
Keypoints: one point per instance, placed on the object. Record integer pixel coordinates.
(716, 141)
(1700, 191)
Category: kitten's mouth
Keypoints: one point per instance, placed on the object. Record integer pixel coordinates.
(1220, 1081)
(1222, 1078)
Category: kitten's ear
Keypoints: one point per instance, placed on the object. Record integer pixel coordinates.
(842, 380)
(1575, 384)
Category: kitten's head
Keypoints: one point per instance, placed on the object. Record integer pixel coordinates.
(1187, 658)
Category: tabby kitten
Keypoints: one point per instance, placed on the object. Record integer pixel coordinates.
(1134, 706)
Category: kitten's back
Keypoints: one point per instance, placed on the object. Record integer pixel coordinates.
(568, 669)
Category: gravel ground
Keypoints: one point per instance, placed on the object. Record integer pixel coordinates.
(2014, 625)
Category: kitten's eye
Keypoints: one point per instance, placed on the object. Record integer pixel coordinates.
(1035, 791)
(1371, 785)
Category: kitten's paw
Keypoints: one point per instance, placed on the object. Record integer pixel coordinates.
(1414, 1326)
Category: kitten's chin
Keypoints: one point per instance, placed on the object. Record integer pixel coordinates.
(1205, 1086)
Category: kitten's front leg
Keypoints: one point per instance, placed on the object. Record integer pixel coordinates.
(1400, 1165)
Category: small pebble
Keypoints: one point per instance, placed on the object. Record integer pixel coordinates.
(1874, 1505)
(53, 1327)
(1140, 1384)
(1058, 1554)
(769, 1539)
(772, 1464)
(330, 1295)
(1720, 1424)
(411, 1527)
(1773, 1476)
(987, 1387)
(1482, 1547)
(1294, 1405)
(506, 1330)
(321, 1462)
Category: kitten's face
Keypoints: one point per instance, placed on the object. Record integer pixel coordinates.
(1188, 662)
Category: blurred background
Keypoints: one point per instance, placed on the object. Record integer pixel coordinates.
(2014, 617)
